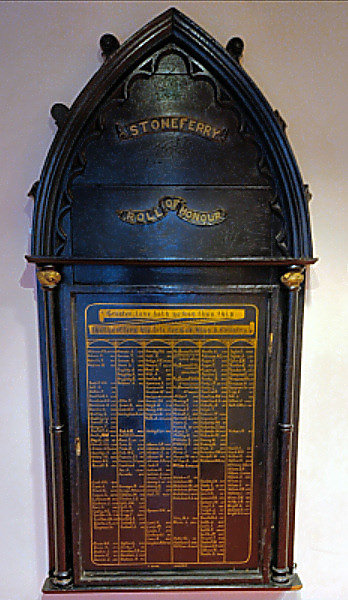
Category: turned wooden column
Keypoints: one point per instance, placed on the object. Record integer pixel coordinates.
(49, 278)
(292, 280)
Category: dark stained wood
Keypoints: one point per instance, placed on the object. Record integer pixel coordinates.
(247, 261)
(235, 47)
(108, 44)
(57, 440)
(286, 429)
(170, 184)
(211, 67)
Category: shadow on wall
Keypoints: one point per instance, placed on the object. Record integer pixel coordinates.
(28, 278)
(27, 281)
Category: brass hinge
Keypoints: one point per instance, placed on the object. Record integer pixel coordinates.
(270, 344)
(78, 446)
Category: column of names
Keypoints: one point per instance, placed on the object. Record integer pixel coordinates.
(170, 441)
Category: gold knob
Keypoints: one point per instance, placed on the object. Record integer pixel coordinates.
(48, 278)
(292, 279)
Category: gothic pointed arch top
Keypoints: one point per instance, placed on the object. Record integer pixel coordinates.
(171, 151)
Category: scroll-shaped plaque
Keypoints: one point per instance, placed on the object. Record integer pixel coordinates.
(170, 236)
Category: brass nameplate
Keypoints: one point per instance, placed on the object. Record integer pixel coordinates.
(182, 124)
(171, 421)
(174, 204)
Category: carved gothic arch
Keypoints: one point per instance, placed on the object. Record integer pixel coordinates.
(172, 31)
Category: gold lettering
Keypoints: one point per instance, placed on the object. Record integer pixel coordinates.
(165, 123)
(155, 124)
(168, 203)
(150, 218)
(195, 216)
(130, 217)
(122, 133)
(134, 129)
(182, 211)
(144, 125)
(215, 132)
(158, 212)
(184, 124)
(171, 203)
(174, 313)
(183, 120)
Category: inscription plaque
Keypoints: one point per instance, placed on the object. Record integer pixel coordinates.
(171, 402)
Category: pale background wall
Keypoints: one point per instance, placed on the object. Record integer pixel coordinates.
(297, 53)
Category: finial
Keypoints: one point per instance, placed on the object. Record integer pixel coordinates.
(307, 192)
(59, 113)
(108, 44)
(33, 190)
(280, 120)
(235, 47)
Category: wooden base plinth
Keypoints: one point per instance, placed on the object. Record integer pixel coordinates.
(166, 591)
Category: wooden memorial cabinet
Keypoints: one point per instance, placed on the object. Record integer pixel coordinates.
(171, 236)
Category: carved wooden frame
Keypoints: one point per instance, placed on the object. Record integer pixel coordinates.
(57, 264)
